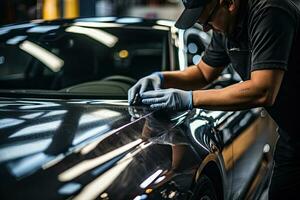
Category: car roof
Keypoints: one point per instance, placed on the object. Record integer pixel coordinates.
(97, 22)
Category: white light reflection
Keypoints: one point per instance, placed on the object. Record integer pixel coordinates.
(50, 126)
(196, 59)
(86, 135)
(165, 23)
(37, 21)
(29, 164)
(129, 20)
(96, 187)
(98, 35)
(15, 40)
(69, 188)
(160, 179)
(182, 50)
(87, 165)
(161, 28)
(54, 113)
(36, 104)
(32, 116)
(46, 57)
(204, 36)
(141, 197)
(42, 29)
(98, 24)
(5, 30)
(21, 150)
(96, 116)
(4, 123)
(149, 180)
(111, 102)
(97, 19)
(194, 126)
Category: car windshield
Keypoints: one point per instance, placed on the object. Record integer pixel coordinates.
(72, 55)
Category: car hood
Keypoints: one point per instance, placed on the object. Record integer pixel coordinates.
(70, 146)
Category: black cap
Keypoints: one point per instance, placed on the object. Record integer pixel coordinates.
(191, 13)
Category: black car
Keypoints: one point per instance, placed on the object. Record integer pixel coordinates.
(67, 132)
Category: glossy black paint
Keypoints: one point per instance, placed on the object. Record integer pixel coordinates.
(93, 148)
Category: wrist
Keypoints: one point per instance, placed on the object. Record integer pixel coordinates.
(161, 77)
(191, 105)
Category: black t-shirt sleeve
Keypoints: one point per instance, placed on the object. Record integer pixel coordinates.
(271, 36)
(215, 55)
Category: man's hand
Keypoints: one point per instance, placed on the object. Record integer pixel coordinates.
(151, 82)
(170, 99)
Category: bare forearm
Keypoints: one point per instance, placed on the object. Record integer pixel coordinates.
(235, 97)
(189, 79)
(193, 78)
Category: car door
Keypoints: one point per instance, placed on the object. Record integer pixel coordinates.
(255, 137)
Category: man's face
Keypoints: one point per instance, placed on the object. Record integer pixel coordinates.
(218, 16)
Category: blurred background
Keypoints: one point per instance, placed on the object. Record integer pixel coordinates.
(12, 11)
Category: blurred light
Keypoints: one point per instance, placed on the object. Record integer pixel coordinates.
(42, 29)
(149, 190)
(123, 54)
(266, 148)
(94, 116)
(31, 130)
(46, 57)
(2, 60)
(129, 20)
(54, 113)
(27, 165)
(5, 30)
(87, 165)
(192, 48)
(165, 23)
(150, 179)
(4, 123)
(104, 195)
(32, 116)
(37, 21)
(161, 28)
(36, 104)
(181, 50)
(98, 24)
(86, 135)
(141, 197)
(16, 40)
(54, 161)
(98, 185)
(111, 102)
(160, 179)
(196, 59)
(51, 9)
(97, 19)
(88, 148)
(71, 8)
(98, 35)
(20, 150)
(69, 188)
(204, 35)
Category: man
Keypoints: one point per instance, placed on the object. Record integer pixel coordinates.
(260, 38)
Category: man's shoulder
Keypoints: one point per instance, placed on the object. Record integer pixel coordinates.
(257, 6)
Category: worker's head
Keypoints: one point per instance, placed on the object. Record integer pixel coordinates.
(218, 15)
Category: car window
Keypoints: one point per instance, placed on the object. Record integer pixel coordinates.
(76, 54)
(10, 66)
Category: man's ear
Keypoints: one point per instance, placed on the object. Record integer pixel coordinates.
(233, 5)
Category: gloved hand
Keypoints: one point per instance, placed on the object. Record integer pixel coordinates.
(170, 99)
(152, 82)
